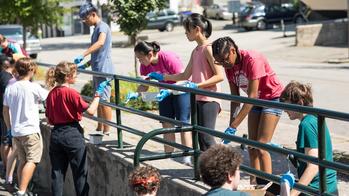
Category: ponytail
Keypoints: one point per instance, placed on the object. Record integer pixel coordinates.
(59, 73)
(50, 77)
(146, 47)
(198, 20)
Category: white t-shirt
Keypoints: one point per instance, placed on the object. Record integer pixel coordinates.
(23, 99)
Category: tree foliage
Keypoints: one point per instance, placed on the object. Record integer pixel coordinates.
(31, 13)
(131, 14)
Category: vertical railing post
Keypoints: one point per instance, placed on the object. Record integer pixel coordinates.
(118, 113)
(195, 134)
(322, 152)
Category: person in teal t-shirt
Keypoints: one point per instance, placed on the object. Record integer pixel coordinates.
(307, 138)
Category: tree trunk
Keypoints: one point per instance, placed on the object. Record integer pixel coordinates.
(132, 40)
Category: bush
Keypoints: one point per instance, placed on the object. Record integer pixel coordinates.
(125, 87)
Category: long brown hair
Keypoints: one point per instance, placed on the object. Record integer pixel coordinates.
(59, 73)
(297, 93)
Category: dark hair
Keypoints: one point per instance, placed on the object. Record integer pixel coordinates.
(222, 46)
(217, 162)
(146, 47)
(296, 92)
(86, 9)
(59, 73)
(24, 66)
(144, 180)
(6, 62)
(198, 20)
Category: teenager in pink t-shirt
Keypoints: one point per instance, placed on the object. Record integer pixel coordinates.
(153, 59)
(250, 72)
(204, 74)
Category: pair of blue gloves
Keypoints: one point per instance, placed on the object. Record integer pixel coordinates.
(163, 92)
(100, 89)
(159, 97)
(160, 77)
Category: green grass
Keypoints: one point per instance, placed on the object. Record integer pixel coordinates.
(125, 88)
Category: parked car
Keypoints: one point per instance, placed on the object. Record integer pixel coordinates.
(15, 33)
(259, 16)
(218, 11)
(164, 20)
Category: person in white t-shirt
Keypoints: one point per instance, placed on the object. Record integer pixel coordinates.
(21, 105)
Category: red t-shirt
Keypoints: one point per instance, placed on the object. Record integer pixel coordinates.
(64, 105)
(252, 66)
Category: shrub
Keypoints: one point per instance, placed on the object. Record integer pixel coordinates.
(125, 87)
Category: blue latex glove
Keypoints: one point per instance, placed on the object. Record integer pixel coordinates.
(78, 59)
(229, 131)
(156, 76)
(131, 96)
(102, 86)
(162, 94)
(275, 144)
(190, 84)
(288, 177)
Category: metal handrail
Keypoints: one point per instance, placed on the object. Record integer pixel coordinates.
(320, 113)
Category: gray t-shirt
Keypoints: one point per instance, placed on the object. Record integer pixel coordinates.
(101, 59)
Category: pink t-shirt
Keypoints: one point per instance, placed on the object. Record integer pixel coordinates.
(252, 66)
(202, 71)
(168, 63)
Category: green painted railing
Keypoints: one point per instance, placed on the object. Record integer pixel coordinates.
(195, 129)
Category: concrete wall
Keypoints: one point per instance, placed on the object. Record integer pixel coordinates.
(325, 34)
(108, 173)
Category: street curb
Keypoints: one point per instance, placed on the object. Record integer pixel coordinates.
(338, 61)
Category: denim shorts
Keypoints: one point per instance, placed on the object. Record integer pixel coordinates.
(274, 111)
(107, 91)
(176, 107)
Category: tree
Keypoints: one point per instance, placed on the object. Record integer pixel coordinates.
(131, 16)
(31, 14)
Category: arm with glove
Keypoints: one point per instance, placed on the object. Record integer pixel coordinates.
(287, 182)
(100, 90)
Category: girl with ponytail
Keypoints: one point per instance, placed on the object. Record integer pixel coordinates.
(202, 72)
(64, 108)
(177, 106)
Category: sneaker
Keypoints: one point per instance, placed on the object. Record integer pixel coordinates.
(10, 187)
(107, 133)
(187, 161)
(19, 194)
(28, 193)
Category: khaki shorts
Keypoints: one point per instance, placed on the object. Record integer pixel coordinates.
(29, 147)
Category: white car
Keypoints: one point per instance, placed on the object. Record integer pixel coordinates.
(218, 11)
(15, 33)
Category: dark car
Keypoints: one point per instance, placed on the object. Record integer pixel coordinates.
(259, 16)
(164, 20)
